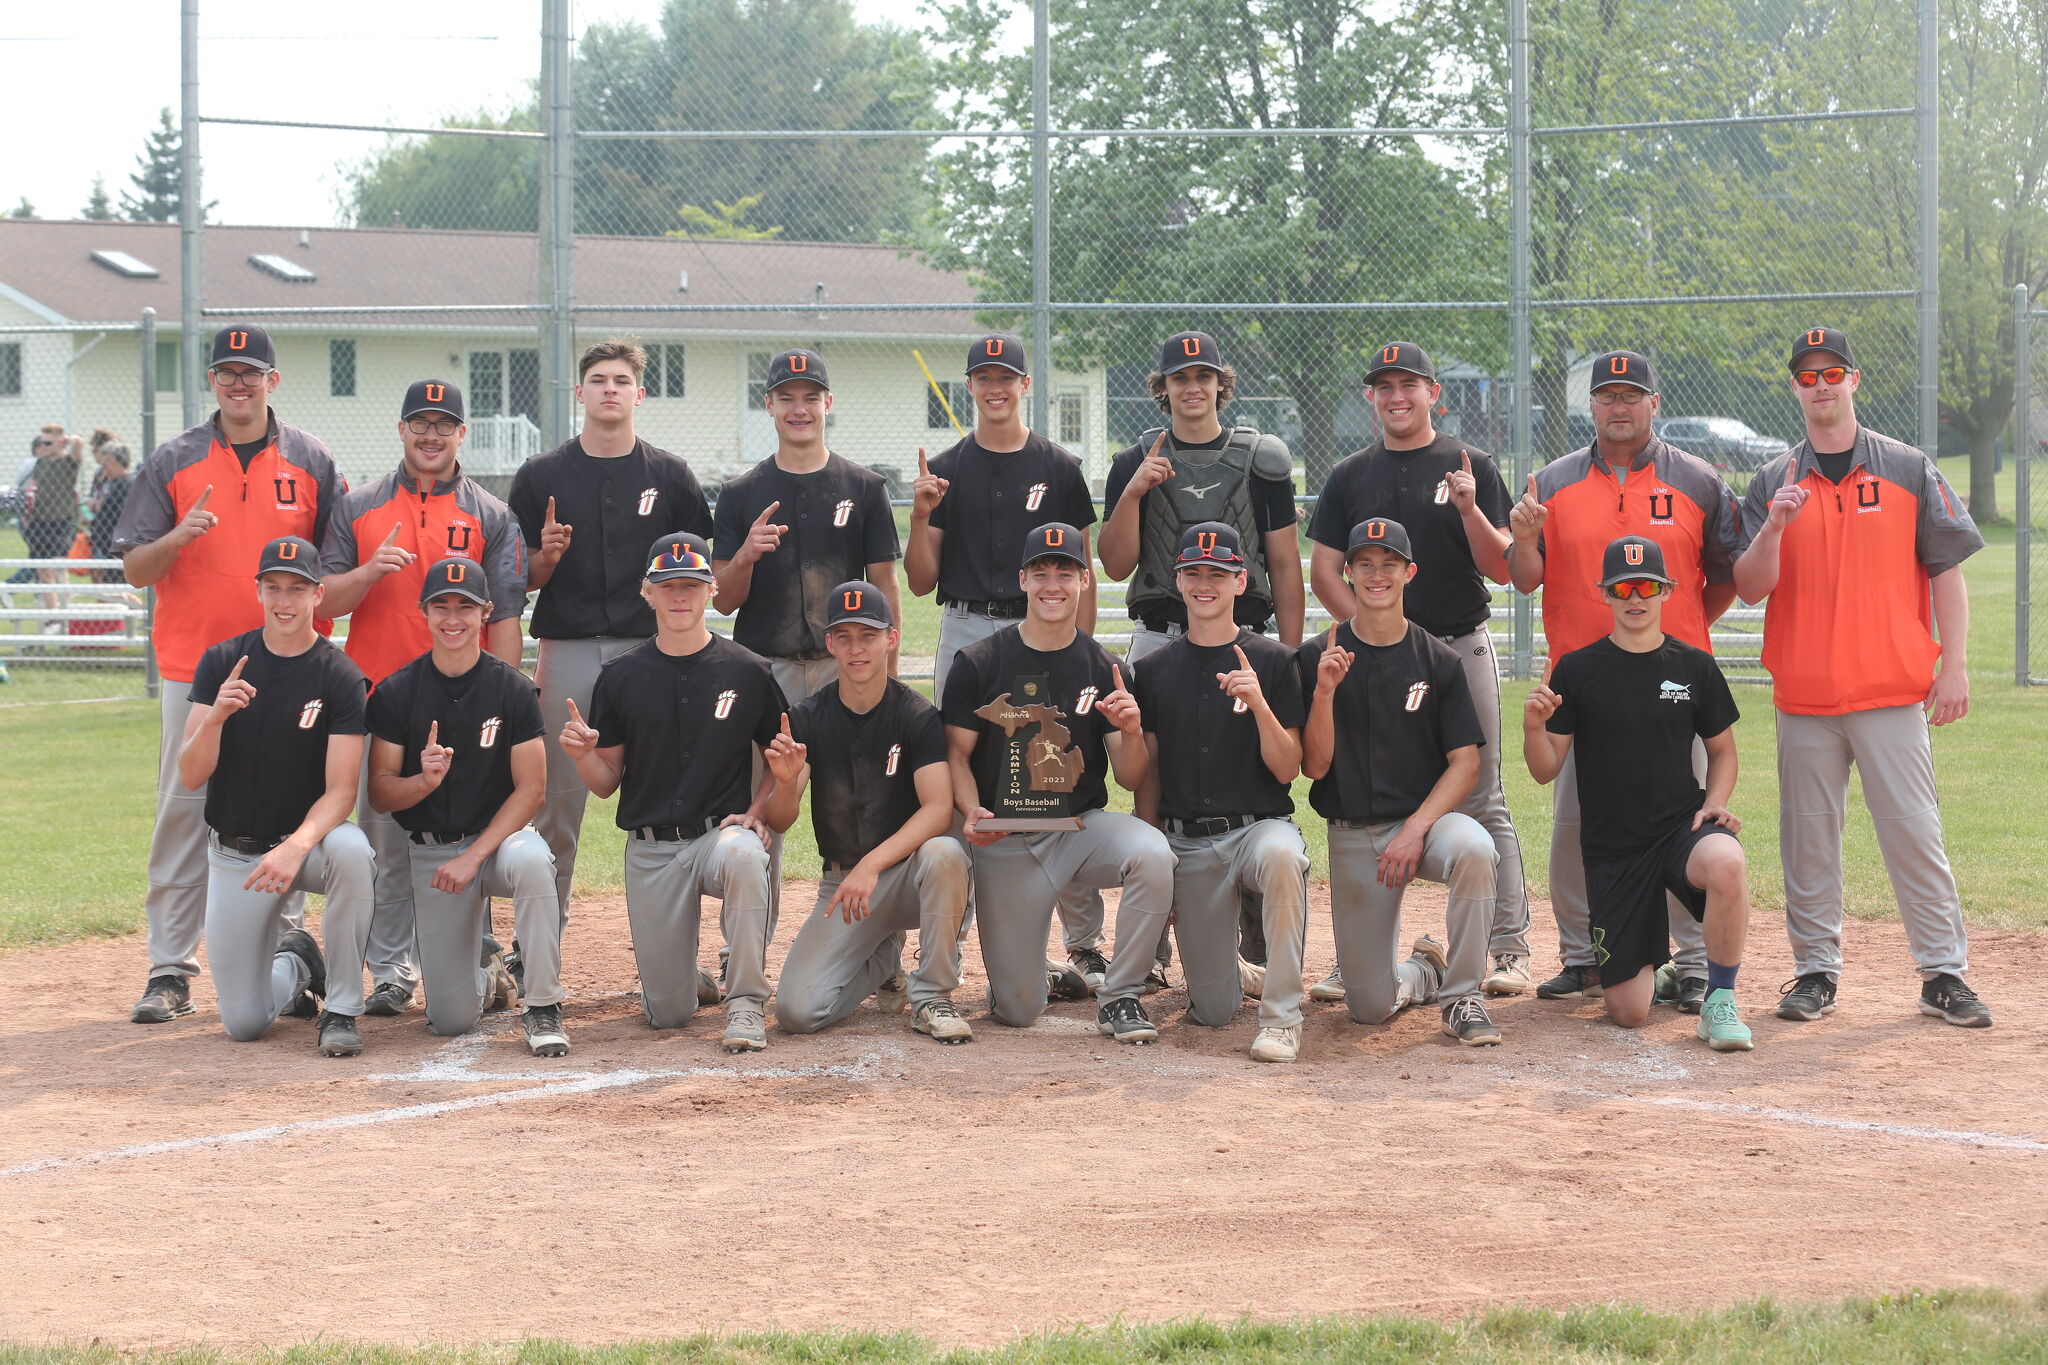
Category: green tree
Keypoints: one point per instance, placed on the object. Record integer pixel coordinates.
(158, 183)
(98, 208)
(727, 221)
(451, 182)
(24, 209)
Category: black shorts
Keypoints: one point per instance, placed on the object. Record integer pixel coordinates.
(48, 539)
(1626, 898)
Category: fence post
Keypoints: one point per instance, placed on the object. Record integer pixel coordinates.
(191, 208)
(148, 358)
(1041, 211)
(2023, 480)
(1521, 359)
(1930, 227)
(557, 222)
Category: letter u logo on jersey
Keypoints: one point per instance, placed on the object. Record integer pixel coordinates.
(287, 491)
(436, 392)
(725, 701)
(309, 714)
(1632, 554)
(647, 496)
(1866, 493)
(1237, 705)
(1034, 497)
(895, 754)
(458, 539)
(1085, 703)
(1443, 492)
(1660, 504)
(841, 512)
(488, 736)
(1416, 692)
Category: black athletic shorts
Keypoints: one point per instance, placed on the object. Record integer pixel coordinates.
(1626, 897)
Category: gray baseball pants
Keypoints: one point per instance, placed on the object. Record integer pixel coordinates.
(392, 956)
(833, 965)
(1268, 859)
(252, 981)
(566, 672)
(1889, 746)
(175, 905)
(665, 885)
(452, 926)
(1366, 916)
(1016, 880)
(1568, 882)
(1488, 803)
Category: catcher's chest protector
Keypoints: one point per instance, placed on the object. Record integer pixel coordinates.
(1207, 485)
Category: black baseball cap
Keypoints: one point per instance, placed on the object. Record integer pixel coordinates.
(808, 366)
(243, 344)
(290, 554)
(1388, 535)
(1211, 542)
(998, 348)
(1185, 350)
(1054, 540)
(858, 604)
(1632, 557)
(1401, 355)
(433, 395)
(1622, 367)
(456, 577)
(679, 555)
(1831, 339)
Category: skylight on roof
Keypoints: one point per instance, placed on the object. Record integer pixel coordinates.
(281, 267)
(121, 263)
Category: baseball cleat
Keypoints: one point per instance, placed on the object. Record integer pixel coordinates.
(1064, 983)
(500, 991)
(1330, 987)
(1946, 997)
(388, 999)
(1720, 1026)
(1808, 997)
(1277, 1044)
(300, 945)
(1251, 979)
(893, 995)
(707, 989)
(1125, 1020)
(1428, 951)
(1692, 994)
(1510, 975)
(338, 1036)
(941, 1021)
(1572, 983)
(745, 1031)
(545, 1036)
(1468, 1022)
(164, 998)
(1092, 965)
(1155, 980)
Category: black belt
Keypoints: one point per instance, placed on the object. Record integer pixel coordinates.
(427, 836)
(1363, 824)
(676, 834)
(235, 843)
(838, 869)
(1012, 610)
(1208, 825)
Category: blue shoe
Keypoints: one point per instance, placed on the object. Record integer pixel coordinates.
(1721, 1027)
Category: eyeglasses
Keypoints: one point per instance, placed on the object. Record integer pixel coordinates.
(1626, 398)
(1833, 374)
(1645, 588)
(239, 379)
(419, 426)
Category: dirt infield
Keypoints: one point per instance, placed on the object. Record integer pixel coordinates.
(164, 1185)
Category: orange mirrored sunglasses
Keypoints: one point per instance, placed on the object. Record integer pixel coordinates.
(1833, 374)
(1635, 587)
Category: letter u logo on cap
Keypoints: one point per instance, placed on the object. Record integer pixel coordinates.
(1618, 365)
(1390, 354)
(1375, 530)
(995, 346)
(798, 364)
(1817, 337)
(1190, 345)
(1205, 541)
(1632, 553)
(1054, 536)
(287, 550)
(457, 572)
(238, 341)
(850, 600)
(436, 392)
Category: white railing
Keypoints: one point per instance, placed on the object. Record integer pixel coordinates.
(499, 445)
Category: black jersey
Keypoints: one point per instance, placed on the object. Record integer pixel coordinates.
(1632, 719)
(863, 767)
(688, 724)
(480, 714)
(273, 752)
(1449, 595)
(1272, 510)
(1398, 714)
(995, 497)
(615, 509)
(1209, 759)
(1075, 677)
(839, 522)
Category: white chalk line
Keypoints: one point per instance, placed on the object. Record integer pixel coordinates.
(1956, 1136)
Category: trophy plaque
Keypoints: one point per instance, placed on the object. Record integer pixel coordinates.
(1039, 763)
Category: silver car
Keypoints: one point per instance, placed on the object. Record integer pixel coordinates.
(1723, 442)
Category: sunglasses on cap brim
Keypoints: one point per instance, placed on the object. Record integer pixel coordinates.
(688, 559)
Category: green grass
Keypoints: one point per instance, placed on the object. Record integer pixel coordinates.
(1952, 1328)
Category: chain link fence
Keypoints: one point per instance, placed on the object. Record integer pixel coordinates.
(2030, 442)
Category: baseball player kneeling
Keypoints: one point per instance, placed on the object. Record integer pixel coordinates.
(1629, 707)
(874, 755)
(458, 756)
(275, 734)
(1223, 715)
(1392, 742)
(674, 723)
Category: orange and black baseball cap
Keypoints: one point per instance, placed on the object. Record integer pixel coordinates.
(1185, 350)
(1833, 340)
(790, 366)
(1628, 558)
(679, 555)
(858, 603)
(456, 577)
(1405, 356)
(1380, 531)
(1054, 540)
(1622, 367)
(243, 344)
(998, 348)
(433, 395)
(290, 554)
(1210, 542)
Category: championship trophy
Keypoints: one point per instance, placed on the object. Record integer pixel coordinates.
(1040, 764)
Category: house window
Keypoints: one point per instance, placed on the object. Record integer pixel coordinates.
(10, 369)
(956, 394)
(664, 377)
(522, 375)
(486, 383)
(167, 367)
(341, 368)
(1071, 420)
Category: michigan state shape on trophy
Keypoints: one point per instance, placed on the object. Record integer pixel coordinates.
(1040, 763)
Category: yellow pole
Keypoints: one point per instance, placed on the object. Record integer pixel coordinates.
(957, 428)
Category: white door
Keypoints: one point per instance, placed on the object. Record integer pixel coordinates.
(757, 429)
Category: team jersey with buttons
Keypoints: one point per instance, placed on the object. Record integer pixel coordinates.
(454, 517)
(1074, 676)
(273, 752)
(994, 498)
(614, 508)
(481, 714)
(1672, 498)
(1397, 716)
(290, 488)
(1449, 595)
(1850, 625)
(689, 724)
(1209, 757)
(864, 767)
(839, 522)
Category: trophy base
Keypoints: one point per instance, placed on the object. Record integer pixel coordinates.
(1031, 824)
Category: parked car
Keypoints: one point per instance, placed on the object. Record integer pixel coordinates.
(1724, 442)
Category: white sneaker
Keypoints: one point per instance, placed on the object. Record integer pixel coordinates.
(940, 1019)
(1330, 987)
(1510, 975)
(745, 1031)
(1251, 979)
(1277, 1044)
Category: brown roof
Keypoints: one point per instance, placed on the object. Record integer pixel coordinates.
(51, 263)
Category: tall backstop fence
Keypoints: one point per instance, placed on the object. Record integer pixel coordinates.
(2030, 497)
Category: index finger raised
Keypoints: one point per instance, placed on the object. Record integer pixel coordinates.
(1158, 444)
(204, 494)
(551, 509)
(573, 713)
(766, 512)
(1465, 460)
(236, 672)
(923, 470)
(389, 537)
(1532, 489)
(1242, 662)
(434, 733)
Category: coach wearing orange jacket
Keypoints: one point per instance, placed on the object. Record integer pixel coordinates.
(1859, 543)
(376, 554)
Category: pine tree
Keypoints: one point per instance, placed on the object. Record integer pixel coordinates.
(99, 208)
(22, 210)
(159, 178)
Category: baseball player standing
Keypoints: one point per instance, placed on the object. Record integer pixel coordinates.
(1628, 482)
(203, 506)
(274, 737)
(874, 754)
(1450, 497)
(1222, 722)
(380, 544)
(1858, 541)
(457, 756)
(1633, 705)
(1392, 741)
(588, 510)
(674, 725)
(1018, 876)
